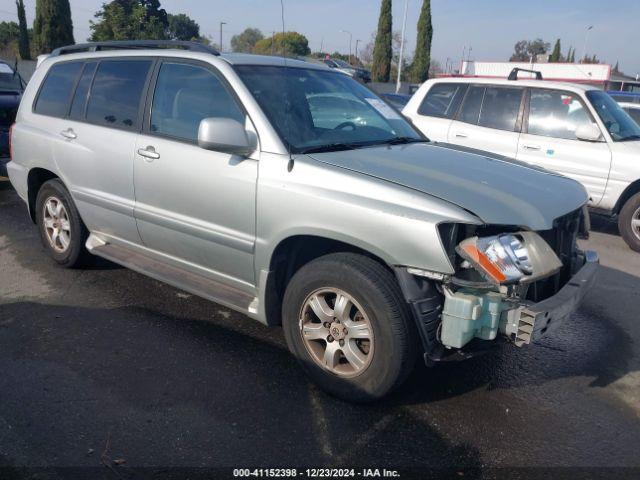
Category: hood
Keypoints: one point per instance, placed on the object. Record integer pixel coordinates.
(495, 189)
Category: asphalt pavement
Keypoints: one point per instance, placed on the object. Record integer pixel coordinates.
(104, 366)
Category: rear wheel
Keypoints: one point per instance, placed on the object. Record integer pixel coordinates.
(346, 322)
(62, 231)
(629, 222)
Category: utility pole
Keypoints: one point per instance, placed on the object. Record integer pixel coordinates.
(404, 28)
(273, 38)
(357, 42)
(221, 24)
(586, 37)
(350, 39)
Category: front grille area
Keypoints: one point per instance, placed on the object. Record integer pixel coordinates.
(562, 239)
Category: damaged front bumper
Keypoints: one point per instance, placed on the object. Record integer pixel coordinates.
(470, 314)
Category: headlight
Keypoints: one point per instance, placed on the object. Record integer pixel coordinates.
(510, 258)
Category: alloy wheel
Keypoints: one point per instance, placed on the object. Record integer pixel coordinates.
(56, 224)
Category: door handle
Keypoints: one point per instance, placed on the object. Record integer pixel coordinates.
(149, 153)
(461, 135)
(69, 134)
(534, 148)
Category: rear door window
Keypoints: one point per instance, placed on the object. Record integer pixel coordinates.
(500, 108)
(472, 105)
(57, 88)
(117, 92)
(82, 91)
(442, 100)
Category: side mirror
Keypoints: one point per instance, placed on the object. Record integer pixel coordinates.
(588, 132)
(225, 135)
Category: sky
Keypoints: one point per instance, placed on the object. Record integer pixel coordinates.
(489, 27)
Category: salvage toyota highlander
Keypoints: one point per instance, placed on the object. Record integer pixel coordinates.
(293, 194)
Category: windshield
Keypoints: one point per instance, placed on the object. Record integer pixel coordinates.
(315, 110)
(342, 63)
(620, 125)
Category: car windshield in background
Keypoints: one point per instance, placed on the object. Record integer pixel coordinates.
(315, 110)
(620, 125)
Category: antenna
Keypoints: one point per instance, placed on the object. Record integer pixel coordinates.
(284, 58)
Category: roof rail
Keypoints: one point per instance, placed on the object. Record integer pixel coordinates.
(132, 45)
(514, 73)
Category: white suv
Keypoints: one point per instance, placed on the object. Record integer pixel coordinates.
(575, 130)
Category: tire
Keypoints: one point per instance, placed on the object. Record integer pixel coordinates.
(383, 360)
(67, 247)
(629, 222)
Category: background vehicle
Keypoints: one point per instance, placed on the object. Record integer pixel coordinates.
(231, 177)
(361, 74)
(398, 100)
(575, 130)
(633, 109)
(11, 88)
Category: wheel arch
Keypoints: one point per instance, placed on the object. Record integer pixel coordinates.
(35, 179)
(628, 192)
(295, 251)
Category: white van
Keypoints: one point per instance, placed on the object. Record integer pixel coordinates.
(578, 131)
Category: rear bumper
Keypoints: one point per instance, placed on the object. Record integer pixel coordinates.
(538, 319)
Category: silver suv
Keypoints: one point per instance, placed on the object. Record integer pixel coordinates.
(293, 194)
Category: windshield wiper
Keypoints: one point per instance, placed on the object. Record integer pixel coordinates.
(332, 147)
(404, 140)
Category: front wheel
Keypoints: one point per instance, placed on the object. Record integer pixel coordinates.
(346, 322)
(629, 222)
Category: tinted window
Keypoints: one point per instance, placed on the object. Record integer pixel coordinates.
(634, 113)
(500, 108)
(184, 95)
(116, 92)
(619, 124)
(554, 113)
(80, 97)
(57, 88)
(442, 100)
(472, 105)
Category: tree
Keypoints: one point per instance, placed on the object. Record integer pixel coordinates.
(52, 27)
(524, 50)
(287, 43)
(422, 56)
(382, 49)
(245, 42)
(130, 20)
(23, 39)
(556, 55)
(9, 32)
(182, 27)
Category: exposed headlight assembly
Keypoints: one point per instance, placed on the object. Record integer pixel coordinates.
(511, 257)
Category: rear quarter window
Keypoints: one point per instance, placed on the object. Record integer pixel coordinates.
(442, 100)
(56, 90)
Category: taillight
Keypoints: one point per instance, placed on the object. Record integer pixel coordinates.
(11, 141)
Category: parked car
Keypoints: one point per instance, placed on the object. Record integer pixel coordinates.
(361, 74)
(576, 130)
(633, 109)
(624, 96)
(11, 88)
(222, 175)
(398, 100)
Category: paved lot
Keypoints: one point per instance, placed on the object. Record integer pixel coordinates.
(109, 358)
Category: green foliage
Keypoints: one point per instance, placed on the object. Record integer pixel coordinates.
(556, 55)
(246, 41)
(525, 49)
(9, 32)
(422, 56)
(130, 20)
(52, 27)
(288, 43)
(182, 27)
(23, 37)
(382, 50)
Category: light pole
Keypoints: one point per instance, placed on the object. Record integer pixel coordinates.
(586, 36)
(404, 27)
(350, 38)
(357, 42)
(221, 24)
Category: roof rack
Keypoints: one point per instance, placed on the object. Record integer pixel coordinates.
(134, 44)
(514, 73)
